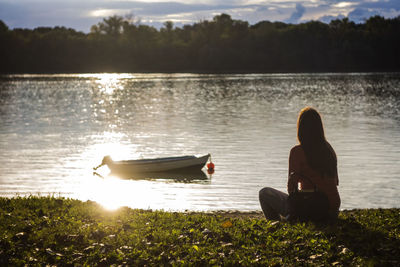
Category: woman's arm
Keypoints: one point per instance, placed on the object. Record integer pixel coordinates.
(293, 182)
(294, 167)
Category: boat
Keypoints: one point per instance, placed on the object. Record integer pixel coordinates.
(169, 164)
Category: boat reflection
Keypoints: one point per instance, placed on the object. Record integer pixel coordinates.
(173, 176)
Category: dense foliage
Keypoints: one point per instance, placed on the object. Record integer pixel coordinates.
(119, 44)
(65, 232)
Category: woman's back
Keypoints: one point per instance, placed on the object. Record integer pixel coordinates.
(308, 177)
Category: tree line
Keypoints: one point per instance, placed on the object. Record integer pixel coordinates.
(121, 44)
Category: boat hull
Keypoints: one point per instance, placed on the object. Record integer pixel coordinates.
(190, 176)
(172, 164)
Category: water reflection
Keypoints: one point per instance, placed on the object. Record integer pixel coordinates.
(107, 83)
(177, 177)
(112, 192)
(55, 128)
(141, 192)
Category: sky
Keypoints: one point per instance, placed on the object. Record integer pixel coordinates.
(82, 14)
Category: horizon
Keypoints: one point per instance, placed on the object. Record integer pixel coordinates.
(81, 16)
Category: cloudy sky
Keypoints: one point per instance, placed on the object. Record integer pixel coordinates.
(82, 14)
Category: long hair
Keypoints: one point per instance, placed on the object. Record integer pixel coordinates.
(319, 153)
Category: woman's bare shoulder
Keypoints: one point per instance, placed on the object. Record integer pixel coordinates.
(297, 152)
(296, 149)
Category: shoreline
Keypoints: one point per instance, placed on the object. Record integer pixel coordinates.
(256, 214)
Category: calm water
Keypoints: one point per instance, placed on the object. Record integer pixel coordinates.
(55, 128)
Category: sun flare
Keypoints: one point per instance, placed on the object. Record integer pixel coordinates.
(109, 82)
(113, 193)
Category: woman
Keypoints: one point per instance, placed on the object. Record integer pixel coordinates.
(311, 163)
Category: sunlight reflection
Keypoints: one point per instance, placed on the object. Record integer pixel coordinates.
(100, 75)
(108, 143)
(113, 193)
(108, 82)
(112, 144)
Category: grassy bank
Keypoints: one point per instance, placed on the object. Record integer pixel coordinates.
(58, 231)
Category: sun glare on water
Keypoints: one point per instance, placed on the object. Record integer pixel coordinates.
(109, 191)
(113, 192)
(109, 82)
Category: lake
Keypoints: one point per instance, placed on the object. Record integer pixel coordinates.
(55, 128)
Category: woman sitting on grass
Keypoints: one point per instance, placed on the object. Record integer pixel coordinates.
(314, 159)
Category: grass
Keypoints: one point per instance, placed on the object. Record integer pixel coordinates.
(58, 231)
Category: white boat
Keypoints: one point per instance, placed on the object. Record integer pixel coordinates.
(169, 164)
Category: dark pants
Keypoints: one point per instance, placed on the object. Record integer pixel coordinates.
(274, 203)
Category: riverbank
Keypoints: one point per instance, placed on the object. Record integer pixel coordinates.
(47, 230)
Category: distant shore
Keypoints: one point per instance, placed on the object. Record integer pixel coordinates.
(221, 45)
(58, 231)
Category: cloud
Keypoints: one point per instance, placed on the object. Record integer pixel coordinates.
(361, 14)
(51, 13)
(344, 4)
(364, 10)
(297, 14)
(356, 10)
(81, 15)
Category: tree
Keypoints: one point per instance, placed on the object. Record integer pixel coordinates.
(112, 26)
(222, 44)
(3, 27)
